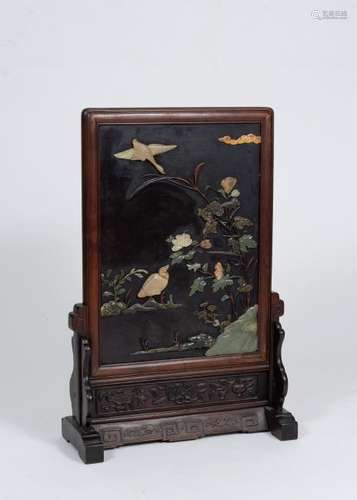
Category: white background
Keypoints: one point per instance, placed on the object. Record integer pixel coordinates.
(57, 57)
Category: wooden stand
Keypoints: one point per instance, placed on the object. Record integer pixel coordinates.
(161, 370)
(90, 435)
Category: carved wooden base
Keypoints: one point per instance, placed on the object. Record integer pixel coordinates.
(282, 424)
(182, 428)
(90, 442)
(86, 440)
(115, 410)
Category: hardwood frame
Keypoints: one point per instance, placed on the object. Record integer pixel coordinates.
(87, 428)
(92, 119)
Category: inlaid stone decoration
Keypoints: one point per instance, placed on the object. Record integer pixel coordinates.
(179, 240)
(178, 333)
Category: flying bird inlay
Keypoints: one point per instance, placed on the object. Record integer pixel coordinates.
(144, 152)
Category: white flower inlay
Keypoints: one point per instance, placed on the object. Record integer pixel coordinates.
(181, 241)
(228, 183)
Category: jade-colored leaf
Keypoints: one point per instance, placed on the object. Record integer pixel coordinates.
(118, 278)
(189, 255)
(246, 242)
(234, 244)
(177, 257)
(245, 288)
(193, 267)
(222, 283)
(197, 285)
(242, 222)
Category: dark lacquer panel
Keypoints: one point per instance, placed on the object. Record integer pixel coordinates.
(179, 240)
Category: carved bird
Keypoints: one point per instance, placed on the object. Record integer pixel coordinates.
(155, 283)
(143, 152)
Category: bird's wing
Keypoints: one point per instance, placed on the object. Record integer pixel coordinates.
(157, 149)
(150, 280)
(125, 155)
(150, 286)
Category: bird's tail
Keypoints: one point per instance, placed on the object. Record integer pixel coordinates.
(159, 168)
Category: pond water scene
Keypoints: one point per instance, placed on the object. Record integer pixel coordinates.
(179, 240)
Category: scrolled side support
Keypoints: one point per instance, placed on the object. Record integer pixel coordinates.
(75, 428)
(282, 423)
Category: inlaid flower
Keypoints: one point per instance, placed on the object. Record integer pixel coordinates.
(212, 209)
(228, 184)
(218, 271)
(206, 244)
(181, 241)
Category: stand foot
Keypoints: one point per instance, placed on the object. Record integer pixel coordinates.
(86, 440)
(281, 423)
